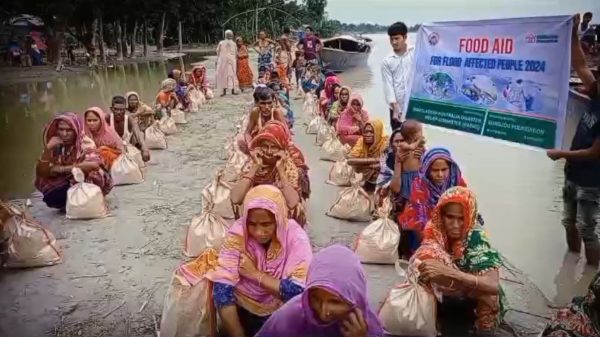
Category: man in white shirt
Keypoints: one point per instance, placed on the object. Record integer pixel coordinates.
(396, 70)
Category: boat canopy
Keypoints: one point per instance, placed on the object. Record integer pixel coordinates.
(347, 43)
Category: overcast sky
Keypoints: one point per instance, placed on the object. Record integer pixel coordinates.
(417, 11)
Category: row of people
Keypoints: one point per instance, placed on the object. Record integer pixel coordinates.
(94, 140)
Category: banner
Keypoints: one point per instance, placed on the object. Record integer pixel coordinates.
(507, 79)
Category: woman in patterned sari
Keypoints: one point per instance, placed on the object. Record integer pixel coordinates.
(262, 264)
(438, 173)
(275, 160)
(366, 155)
(457, 260)
(143, 114)
(63, 150)
(244, 73)
(581, 318)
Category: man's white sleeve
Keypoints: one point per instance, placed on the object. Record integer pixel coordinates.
(388, 82)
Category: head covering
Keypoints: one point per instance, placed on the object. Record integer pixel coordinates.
(106, 135)
(168, 84)
(338, 270)
(133, 93)
(229, 34)
(199, 76)
(329, 82)
(454, 176)
(278, 133)
(346, 122)
(288, 256)
(380, 142)
(349, 95)
(425, 194)
(70, 156)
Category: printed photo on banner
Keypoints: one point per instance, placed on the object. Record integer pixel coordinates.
(506, 79)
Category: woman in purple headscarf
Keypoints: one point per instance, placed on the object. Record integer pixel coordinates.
(334, 303)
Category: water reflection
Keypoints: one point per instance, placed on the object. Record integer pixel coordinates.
(27, 107)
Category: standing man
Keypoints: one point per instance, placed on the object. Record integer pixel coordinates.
(310, 45)
(397, 74)
(581, 191)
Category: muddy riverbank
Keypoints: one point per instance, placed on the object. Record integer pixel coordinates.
(113, 278)
(116, 270)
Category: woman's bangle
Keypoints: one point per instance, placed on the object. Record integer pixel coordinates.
(248, 177)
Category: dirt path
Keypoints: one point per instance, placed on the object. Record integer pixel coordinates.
(115, 273)
(116, 266)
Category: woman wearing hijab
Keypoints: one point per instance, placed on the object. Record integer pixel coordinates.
(180, 88)
(457, 260)
(244, 73)
(108, 142)
(365, 156)
(275, 160)
(262, 263)
(227, 65)
(199, 79)
(64, 150)
(438, 173)
(141, 112)
(339, 105)
(352, 121)
(581, 318)
(334, 303)
(166, 98)
(327, 95)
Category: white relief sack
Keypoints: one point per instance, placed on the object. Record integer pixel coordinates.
(85, 200)
(378, 242)
(353, 203)
(155, 138)
(340, 174)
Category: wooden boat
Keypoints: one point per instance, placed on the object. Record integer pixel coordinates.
(345, 51)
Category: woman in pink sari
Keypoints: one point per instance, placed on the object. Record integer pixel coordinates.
(328, 94)
(262, 264)
(352, 121)
(108, 142)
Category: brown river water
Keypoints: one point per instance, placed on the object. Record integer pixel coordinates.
(519, 188)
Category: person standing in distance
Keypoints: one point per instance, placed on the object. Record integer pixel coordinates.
(397, 74)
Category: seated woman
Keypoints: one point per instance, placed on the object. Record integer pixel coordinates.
(200, 81)
(265, 110)
(457, 260)
(180, 88)
(262, 263)
(366, 155)
(166, 99)
(126, 127)
(142, 113)
(276, 161)
(581, 318)
(63, 150)
(334, 304)
(327, 95)
(108, 142)
(438, 173)
(352, 121)
(339, 105)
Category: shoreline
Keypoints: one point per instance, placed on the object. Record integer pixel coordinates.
(16, 75)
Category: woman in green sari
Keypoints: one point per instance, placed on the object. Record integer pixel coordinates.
(457, 261)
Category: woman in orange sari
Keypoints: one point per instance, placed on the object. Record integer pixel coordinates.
(108, 142)
(244, 72)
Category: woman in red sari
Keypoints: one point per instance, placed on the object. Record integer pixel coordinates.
(275, 160)
(64, 150)
(244, 73)
(108, 142)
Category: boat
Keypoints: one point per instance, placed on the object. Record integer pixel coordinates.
(345, 51)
